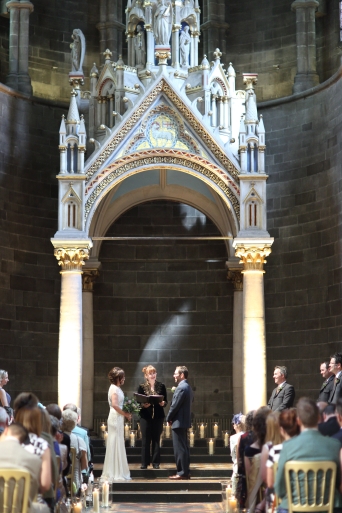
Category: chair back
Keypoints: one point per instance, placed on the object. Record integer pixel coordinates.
(275, 469)
(70, 476)
(14, 490)
(310, 485)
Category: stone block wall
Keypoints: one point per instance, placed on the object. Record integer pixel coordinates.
(303, 273)
(165, 304)
(29, 274)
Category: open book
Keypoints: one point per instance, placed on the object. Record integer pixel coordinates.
(152, 399)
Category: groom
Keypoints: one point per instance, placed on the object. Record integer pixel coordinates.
(179, 417)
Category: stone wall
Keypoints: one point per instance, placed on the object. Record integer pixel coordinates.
(165, 304)
(29, 274)
(303, 273)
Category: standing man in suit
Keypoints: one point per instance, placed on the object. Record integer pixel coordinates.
(310, 445)
(179, 417)
(336, 368)
(327, 384)
(283, 395)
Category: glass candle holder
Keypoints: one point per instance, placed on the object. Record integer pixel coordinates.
(96, 500)
(232, 506)
(105, 495)
(191, 435)
(225, 436)
(211, 442)
(138, 430)
(167, 432)
(103, 428)
(127, 430)
(132, 437)
(105, 437)
(202, 430)
(215, 429)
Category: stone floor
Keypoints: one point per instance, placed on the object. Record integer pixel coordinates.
(216, 507)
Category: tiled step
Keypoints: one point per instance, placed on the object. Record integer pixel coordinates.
(167, 485)
(169, 458)
(212, 472)
(162, 496)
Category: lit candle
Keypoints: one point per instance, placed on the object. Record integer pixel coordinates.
(232, 504)
(229, 491)
(78, 507)
(132, 438)
(105, 494)
(105, 436)
(168, 431)
(211, 447)
(103, 427)
(96, 502)
(126, 430)
(226, 439)
(202, 431)
(215, 430)
(192, 439)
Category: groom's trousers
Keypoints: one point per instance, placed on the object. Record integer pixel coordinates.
(181, 450)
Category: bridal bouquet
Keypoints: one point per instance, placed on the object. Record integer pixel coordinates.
(131, 405)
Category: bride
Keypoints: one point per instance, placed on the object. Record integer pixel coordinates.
(115, 465)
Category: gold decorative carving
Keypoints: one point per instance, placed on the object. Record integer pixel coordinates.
(163, 56)
(89, 277)
(253, 258)
(169, 157)
(236, 277)
(136, 115)
(71, 259)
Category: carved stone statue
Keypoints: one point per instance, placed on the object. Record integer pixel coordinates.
(163, 22)
(140, 48)
(77, 50)
(184, 47)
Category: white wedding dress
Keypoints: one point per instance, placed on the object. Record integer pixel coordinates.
(115, 465)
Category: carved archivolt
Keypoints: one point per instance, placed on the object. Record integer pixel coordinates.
(170, 158)
(136, 116)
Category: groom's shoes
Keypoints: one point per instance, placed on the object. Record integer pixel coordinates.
(177, 477)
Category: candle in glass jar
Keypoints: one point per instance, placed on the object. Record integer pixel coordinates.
(167, 431)
(215, 430)
(126, 430)
(229, 491)
(105, 494)
(211, 447)
(192, 439)
(96, 501)
(132, 439)
(78, 507)
(202, 431)
(103, 427)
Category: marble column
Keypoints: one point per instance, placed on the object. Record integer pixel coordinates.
(237, 278)
(71, 259)
(252, 256)
(306, 76)
(88, 279)
(18, 77)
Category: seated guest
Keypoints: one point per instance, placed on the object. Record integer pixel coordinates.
(273, 437)
(69, 421)
(338, 435)
(78, 430)
(253, 457)
(30, 417)
(244, 441)
(330, 424)
(3, 420)
(310, 445)
(239, 426)
(49, 496)
(63, 457)
(13, 455)
(63, 438)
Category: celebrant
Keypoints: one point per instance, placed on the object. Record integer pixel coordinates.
(151, 418)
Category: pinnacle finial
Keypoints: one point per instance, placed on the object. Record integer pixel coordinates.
(107, 54)
(217, 54)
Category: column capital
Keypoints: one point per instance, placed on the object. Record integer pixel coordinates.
(304, 4)
(20, 5)
(89, 277)
(253, 254)
(236, 277)
(71, 258)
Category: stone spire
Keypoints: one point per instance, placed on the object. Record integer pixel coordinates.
(73, 118)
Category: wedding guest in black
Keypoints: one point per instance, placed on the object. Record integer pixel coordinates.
(151, 418)
(338, 435)
(330, 424)
(328, 383)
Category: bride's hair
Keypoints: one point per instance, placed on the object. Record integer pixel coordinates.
(148, 369)
(115, 375)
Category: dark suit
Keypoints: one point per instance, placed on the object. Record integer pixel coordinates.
(336, 390)
(326, 390)
(329, 427)
(283, 399)
(180, 416)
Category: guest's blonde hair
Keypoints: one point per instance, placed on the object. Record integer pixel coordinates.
(273, 429)
(148, 369)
